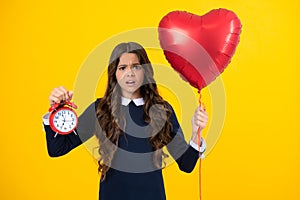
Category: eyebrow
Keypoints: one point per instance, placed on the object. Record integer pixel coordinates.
(125, 65)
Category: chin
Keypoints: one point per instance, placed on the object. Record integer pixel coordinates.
(132, 92)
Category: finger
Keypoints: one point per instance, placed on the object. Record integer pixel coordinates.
(203, 107)
(202, 125)
(54, 100)
(198, 111)
(199, 122)
(65, 93)
(70, 95)
(53, 97)
(204, 116)
(57, 93)
(200, 108)
(201, 115)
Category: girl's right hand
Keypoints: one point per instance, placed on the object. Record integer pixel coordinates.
(60, 94)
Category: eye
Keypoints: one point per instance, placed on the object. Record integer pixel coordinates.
(121, 68)
(137, 67)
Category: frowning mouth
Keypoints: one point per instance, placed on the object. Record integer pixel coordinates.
(130, 82)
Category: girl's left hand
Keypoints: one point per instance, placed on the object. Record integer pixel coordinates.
(199, 120)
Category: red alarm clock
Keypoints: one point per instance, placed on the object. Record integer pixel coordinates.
(63, 118)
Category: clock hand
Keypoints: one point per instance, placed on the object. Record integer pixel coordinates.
(64, 117)
(62, 125)
(61, 117)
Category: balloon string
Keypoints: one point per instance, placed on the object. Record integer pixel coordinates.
(199, 145)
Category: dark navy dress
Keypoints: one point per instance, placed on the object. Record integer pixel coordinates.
(132, 175)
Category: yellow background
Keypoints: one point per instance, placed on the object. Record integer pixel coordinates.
(43, 45)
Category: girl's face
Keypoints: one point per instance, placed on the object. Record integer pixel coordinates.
(130, 75)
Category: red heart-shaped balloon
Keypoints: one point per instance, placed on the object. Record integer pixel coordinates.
(199, 47)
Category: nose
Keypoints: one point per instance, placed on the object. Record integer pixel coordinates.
(130, 72)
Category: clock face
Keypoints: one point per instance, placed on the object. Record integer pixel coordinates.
(64, 120)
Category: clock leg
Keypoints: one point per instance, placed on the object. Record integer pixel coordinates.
(75, 132)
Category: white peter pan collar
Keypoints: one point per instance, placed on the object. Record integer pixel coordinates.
(137, 102)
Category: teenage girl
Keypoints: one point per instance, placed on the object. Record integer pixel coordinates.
(132, 123)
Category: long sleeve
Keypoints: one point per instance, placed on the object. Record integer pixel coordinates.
(58, 145)
(185, 155)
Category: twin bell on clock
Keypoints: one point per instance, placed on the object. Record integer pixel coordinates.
(63, 118)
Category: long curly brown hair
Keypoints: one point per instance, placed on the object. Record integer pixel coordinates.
(112, 119)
